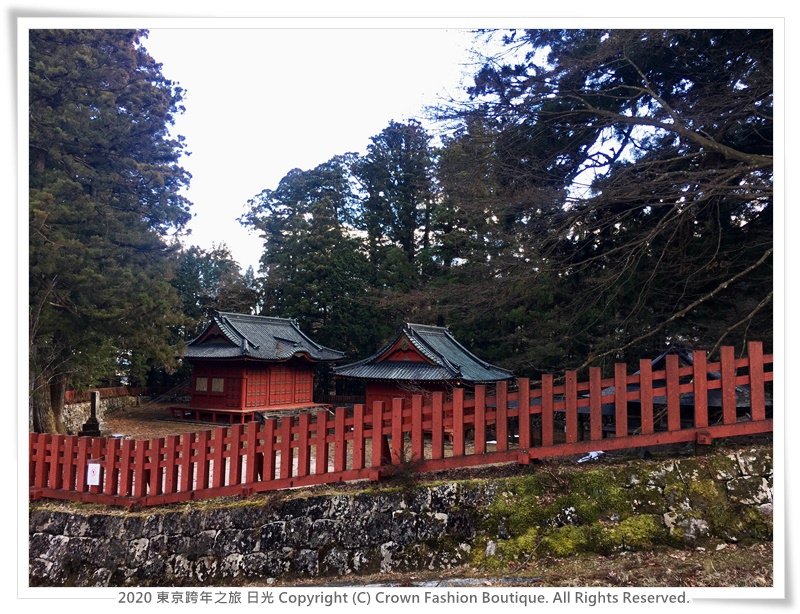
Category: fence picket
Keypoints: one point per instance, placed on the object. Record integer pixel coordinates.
(755, 365)
(303, 456)
(69, 461)
(171, 464)
(417, 439)
(480, 419)
(673, 393)
(201, 450)
(524, 387)
(139, 472)
(437, 435)
(236, 456)
(154, 455)
(286, 448)
(35, 462)
(547, 410)
(595, 404)
(621, 399)
(458, 422)
(125, 472)
(112, 475)
(251, 439)
(97, 447)
(358, 436)
(397, 432)
(501, 422)
(267, 464)
(322, 442)
(700, 388)
(728, 376)
(377, 434)
(218, 458)
(571, 406)
(187, 467)
(339, 440)
(83, 453)
(54, 474)
(646, 395)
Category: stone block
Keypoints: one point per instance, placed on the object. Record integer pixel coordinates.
(750, 490)
(47, 522)
(324, 532)
(336, 562)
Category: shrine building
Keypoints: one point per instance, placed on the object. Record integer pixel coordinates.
(243, 364)
(419, 359)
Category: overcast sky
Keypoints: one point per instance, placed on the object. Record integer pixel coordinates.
(260, 102)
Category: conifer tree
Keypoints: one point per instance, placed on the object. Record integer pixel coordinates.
(105, 205)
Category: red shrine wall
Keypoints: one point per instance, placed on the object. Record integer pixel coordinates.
(402, 350)
(251, 386)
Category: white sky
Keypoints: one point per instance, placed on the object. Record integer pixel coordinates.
(260, 102)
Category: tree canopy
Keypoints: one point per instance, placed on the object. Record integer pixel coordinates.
(105, 200)
(599, 195)
(656, 149)
(313, 266)
(603, 193)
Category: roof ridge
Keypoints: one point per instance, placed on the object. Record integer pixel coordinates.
(240, 333)
(228, 314)
(433, 326)
(450, 366)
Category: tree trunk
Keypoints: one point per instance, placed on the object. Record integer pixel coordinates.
(58, 392)
(47, 403)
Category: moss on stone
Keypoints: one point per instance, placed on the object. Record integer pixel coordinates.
(565, 541)
(599, 494)
(753, 524)
(708, 501)
(638, 533)
(723, 467)
(528, 501)
(520, 547)
(517, 507)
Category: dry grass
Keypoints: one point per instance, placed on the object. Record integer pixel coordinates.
(732, 565)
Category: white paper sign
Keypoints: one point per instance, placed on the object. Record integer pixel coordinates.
(93, 475)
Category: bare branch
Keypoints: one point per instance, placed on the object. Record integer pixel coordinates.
(683, 311)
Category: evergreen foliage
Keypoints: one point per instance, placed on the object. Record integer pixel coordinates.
(105, 203)
(604, 193)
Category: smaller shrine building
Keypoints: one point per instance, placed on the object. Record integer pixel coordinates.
(419, 359)
(243, 364)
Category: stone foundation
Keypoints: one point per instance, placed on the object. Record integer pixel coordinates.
(551, 510)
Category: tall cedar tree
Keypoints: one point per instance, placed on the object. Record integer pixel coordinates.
(396, 176)
(313, 266)
(104, 195)
(631, 173)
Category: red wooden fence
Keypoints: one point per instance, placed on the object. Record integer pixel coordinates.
(699, 402)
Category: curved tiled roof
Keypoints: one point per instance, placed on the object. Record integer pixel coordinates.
(259, 337)
(449, 360)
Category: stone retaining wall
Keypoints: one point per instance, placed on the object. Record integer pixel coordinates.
(76, 414)
(490, 523)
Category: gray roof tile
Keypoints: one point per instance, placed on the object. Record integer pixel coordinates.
(450, 360)
(258, 337)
